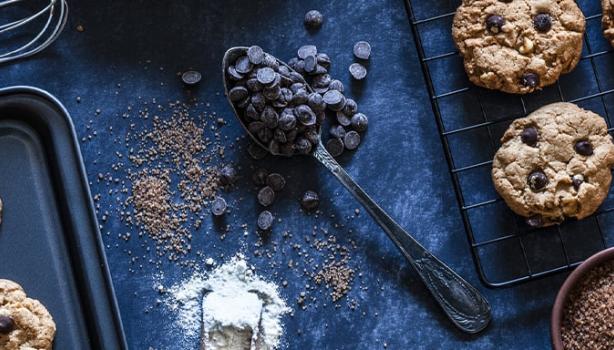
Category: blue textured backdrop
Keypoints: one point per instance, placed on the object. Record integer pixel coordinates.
(401, 164)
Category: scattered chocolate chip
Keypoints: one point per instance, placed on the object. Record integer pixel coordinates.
(535, 221)
(314, 19)
(350, 107)
(228, 175)
(259, 176)
(265, 220)
(362, 50)
(359, 122)
(219, 206)
(542, 22)
(310, 200)
(266, 196)
(358, 71)
(334, 100)
(6, 325)
(343, 119)
(191, 77)
(584, 148)
(323, 60)
(529, 79)
(351, 140)
(537, 180)
(316, 102)
(494, 23)
(337, 131)
(276, 182)
(335, 147)
(336, 85)
(255, 54)
(529, 136)
(310, 64)
(577, 180)
(256, 152)
(307, 50)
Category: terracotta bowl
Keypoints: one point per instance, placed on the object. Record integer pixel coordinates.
(556, 320)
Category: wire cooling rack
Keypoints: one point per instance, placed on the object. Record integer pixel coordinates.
(471, 121)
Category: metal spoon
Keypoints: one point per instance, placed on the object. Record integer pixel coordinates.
(461, 302)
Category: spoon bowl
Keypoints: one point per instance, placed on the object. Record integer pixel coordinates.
(462, 303)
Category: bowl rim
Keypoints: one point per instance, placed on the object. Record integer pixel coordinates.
(556, 319)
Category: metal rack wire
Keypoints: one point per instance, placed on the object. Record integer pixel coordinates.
(471, 120)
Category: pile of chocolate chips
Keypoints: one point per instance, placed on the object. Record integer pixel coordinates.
(275, 103)
(348, 122)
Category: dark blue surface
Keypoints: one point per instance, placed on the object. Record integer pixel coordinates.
(401, 164)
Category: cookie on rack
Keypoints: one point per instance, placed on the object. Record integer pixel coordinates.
(24, 323)
(607, 20)
(554, 163)
(518, 46)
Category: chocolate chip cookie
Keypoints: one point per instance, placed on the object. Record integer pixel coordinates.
(607, 20)
(554, 163)
(518, 46)
(24, 323)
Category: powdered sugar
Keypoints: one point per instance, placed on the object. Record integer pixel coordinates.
(241, 310)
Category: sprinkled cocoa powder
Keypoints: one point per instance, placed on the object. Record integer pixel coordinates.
(588, 318)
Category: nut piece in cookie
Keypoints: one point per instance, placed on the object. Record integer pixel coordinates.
(554, 163)
(24, 323)
(607, 20)
(518, 46)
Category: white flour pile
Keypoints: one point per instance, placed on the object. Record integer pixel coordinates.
(232, 308)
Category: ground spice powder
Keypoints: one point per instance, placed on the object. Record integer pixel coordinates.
(588, 318)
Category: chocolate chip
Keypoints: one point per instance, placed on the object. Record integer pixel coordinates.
(529, 136)
(259, 176)
(535, 221)
(7, 325)
(362, 50)
(334, 100)
(228, 175)
(276, 182)
(494, 23)
(584, 148)
(255, 127)
(272, 94)
(537, 180)
(265, 75)
(542, 22)
(323, 59)
(265, 220)
(335, 147)
(577, 180)
(287, 121)
(255, 54)
(256, 152)
(266, 196)
(243, 65)
(191, 77)
(305, 115)
(358, 71)
(350, 107)
(270, 61)
(307, 50)
(310, 200)
(233, 74)
(351, 140)
(237, 93)
(529, 79)
(343, 119)
(336, 85)
(253, 85)
(310, 63)
(321, 81)
(313, 19)
(359, 122)
(219, 206)
(302, 146)
(316, 102)
(251, 112)
(269, 117)
(337, 131)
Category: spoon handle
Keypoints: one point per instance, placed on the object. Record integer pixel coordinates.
(461, 302)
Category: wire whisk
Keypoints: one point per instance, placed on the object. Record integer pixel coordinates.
(54, 15)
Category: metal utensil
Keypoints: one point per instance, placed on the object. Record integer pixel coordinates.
(53, 16)
(461, 302)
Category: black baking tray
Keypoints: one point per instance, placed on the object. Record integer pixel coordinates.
(49, 238)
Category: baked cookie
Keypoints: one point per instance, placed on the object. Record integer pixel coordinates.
(555, 163)
(607, 20)
(25, 324)
(518, 46)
